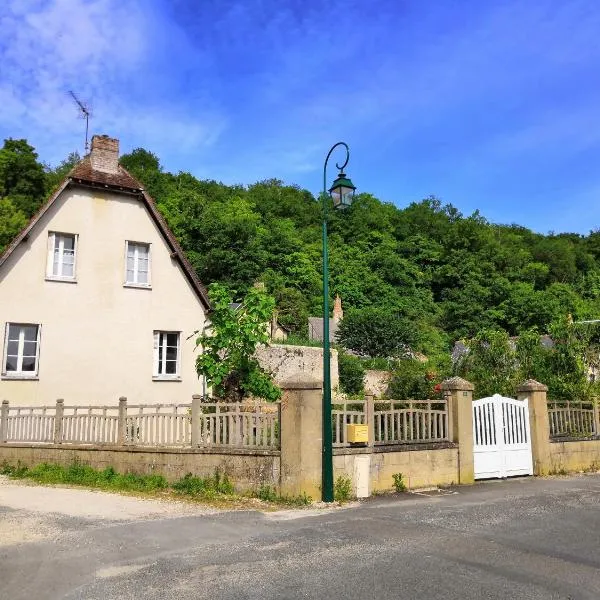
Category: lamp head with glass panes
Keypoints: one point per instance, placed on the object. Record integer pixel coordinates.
(342, 191)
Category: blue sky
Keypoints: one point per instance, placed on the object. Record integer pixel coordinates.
(489, 105)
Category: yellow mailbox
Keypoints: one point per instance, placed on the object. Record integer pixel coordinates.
(357, 434)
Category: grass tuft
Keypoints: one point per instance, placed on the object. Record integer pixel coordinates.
(217, 488)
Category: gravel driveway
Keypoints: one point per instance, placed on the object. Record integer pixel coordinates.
(30, 512)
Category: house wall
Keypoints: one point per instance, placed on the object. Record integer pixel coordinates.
(97, 335)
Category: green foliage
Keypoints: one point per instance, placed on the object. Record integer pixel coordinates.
(54, 176)
(12, 220)
(415, 380)
(490, 364)
(416, 277)
(399, 484)
(268, 493)
(21, 176)
(352, 374)
(213, 487)
(342, 489)
(204, 487)
(228, 345)
(78, 474)
(495, 364)
(373, 331)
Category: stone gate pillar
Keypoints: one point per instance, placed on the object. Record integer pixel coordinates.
(301, 437)
(538, 421)
(459, 394)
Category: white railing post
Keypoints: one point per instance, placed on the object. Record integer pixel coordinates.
(195, 432)
(122, 421)
(596, 417)
(370, 415)
(58, 421)
(4, 422)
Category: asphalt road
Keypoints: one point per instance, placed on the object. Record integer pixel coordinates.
(518, 539)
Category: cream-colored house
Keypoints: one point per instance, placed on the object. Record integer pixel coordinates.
(97, 299)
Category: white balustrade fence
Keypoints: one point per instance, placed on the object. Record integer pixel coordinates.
(89, 425)
(393, 421)
(411, 421)
(27, 424)
(573, 419)
(348, 413)
(199, 424)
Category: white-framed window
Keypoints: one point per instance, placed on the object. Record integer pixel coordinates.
(21, 350)
(166, 354)
(137, 264)
(62, 253)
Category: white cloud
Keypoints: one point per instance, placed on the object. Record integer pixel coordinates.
(100, 49)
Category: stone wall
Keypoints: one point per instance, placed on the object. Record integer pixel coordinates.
(574, 455)
(420, 465)
(296, 362)
(377, 382)
(246, 469)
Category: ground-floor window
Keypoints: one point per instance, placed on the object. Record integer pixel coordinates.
(21, 350)
(166, 354)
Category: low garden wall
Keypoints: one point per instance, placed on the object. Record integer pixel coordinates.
(570, 455)
(421, 465)
(248, 469)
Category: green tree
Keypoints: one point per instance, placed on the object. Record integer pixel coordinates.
(228, 345)
(12, 221)
(352, 374)
(490, 364)
(55, 176)
(375, 332)
(22, 177)
(415, 380)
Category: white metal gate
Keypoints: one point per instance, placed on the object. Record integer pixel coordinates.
(501, 437)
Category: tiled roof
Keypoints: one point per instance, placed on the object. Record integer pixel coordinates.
(84, 172)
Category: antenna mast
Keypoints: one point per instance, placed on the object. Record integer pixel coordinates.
(85, 114)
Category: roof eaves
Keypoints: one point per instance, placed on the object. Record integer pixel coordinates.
(176, 250)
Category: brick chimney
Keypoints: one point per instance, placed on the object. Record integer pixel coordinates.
(338, 313)
(105, 154)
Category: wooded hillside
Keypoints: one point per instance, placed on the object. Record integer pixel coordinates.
(441, 274)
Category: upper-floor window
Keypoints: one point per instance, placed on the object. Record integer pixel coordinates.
(138, 264)
(21, 350)
(62, 249)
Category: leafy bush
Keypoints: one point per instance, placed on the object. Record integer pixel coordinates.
(352, 374)
(342, 489)
(414, 380)
(376, 331)
(399, 484)
(267, 493)
(204, 487)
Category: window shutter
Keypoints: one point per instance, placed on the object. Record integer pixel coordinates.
(50, 258)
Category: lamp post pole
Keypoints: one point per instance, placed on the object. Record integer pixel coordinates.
(327, 458)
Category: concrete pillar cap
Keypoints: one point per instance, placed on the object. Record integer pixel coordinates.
(457, 384)
(531, 385)
(305, 383)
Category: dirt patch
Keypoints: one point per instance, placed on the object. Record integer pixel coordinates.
(19, 528)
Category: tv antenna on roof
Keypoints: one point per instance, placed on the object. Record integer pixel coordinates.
(85, 114)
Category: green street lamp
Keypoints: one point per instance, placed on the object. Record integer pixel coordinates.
(342, 194)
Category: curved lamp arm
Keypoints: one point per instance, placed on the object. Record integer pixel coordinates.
(340, 167)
